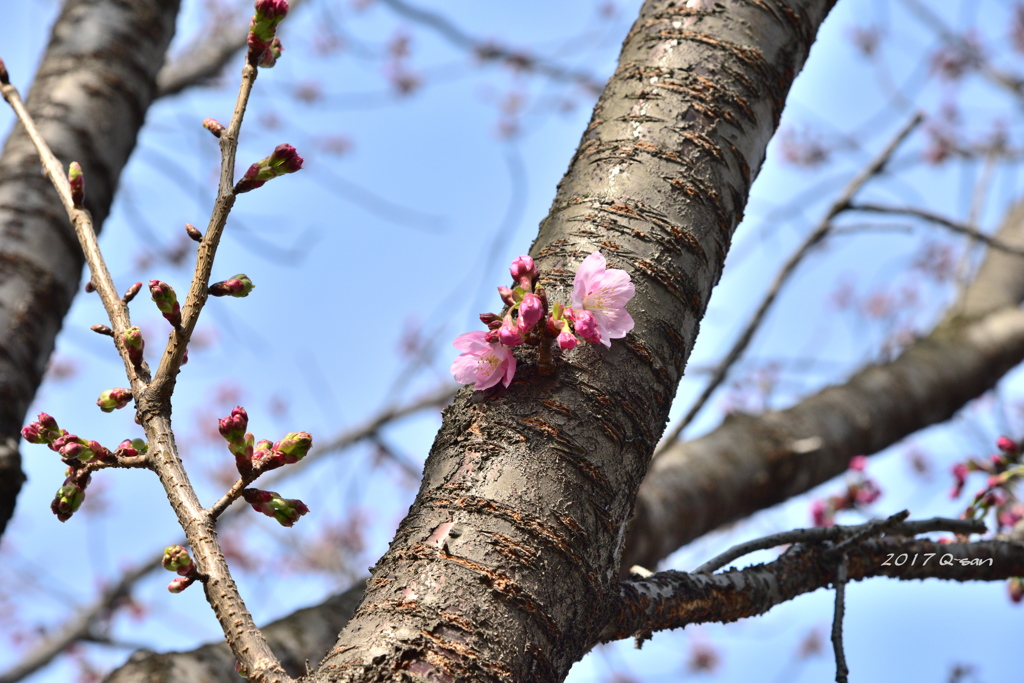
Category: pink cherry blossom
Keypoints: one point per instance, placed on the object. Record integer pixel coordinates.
(604, 292)
(482, 362)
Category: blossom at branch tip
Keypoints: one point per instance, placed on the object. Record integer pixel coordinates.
(282, 161)
(233, 427)
(482, 363)
(604, 292)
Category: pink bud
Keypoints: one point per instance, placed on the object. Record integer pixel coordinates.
(489, 318)
(567, 341)
(1015, 587)
(585, 325)
(531, 310)
(234, 425)
(179, 584)
(507, 295)
(1006, 444)
(524, 271)
(215, 127)
(858, 462)
(509, 333)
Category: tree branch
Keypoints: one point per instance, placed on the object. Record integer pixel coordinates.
(842, 203)
(673, 599)
(750, 463)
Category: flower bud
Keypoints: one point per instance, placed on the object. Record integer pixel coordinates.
(509, 333)
(531, 310)
(131, 292)
(67, 501)
(507, 295)
(134, 344)
(179, 584)
(283, 160)
(285, 510)
(271, 54)
(241, 670)
(294, 446)
(43, 430)
(215, 127)
(585, 325)
(490, 318)
(567, 341)
(77, 181)
(1006, 444)
(102, 329)
(193, 232)
(1015, 587)
(89, 287)
(126, 449)
(176, 559)
(234, 425)
(524, 272)
(114, 399)
(238, 286)
(166, 301)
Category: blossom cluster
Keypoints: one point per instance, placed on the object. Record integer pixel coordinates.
(861, 490)
(285, 510)
(597, 314)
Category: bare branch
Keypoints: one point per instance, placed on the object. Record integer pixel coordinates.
(955, 226)
(841, 204)
(488, 51)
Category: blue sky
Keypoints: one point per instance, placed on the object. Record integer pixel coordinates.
(411, 229)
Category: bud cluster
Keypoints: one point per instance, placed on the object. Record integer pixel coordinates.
(265, 455)
(76, 452)
(285, 510)
(861, 491)
(597, 315)
(282, 161)
(264, 45)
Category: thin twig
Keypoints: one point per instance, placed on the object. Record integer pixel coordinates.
(492, 51)
(81, 219)
(80, 625)
(842, 671)
(841, 204)
(872, 528)
(942, 221)
(834, 533)
(170, 362)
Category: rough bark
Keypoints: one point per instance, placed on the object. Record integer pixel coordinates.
(89, 97)
(750, 463)
(296, 639)
(538, 482)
